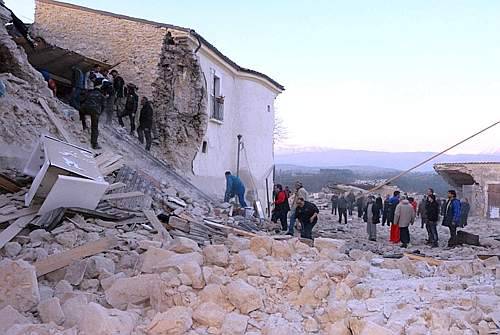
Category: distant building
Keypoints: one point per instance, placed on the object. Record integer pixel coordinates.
(479, 182)
(202, 99)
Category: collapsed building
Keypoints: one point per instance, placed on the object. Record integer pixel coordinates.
(202, 99)
(479, 182)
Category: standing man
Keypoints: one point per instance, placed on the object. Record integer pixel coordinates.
(350, 201)
(119, 87)
(432, 209)
(464, 212)
(451, 218)
(335, 200)
(385, 211)
(145, 123)
(281, 207)
(93, 105)
(360, 204)
(300, 192)
(393, 203)
(131, 105)
(234, 187)
(404, 215)
(78, 83)
(109, 95)
(342, 206)
(307, 213)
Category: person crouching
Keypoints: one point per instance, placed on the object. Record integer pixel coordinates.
(307, 214)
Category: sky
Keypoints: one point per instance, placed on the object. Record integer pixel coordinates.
(362, 74)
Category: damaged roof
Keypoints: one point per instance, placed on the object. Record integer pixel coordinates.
(170, 26)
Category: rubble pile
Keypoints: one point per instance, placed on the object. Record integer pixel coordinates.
(137, 281)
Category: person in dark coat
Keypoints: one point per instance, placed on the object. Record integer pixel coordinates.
(385, 211)
(360, 205)
(334, 202)
(131, 106)
(371, 215)
(93, 105)
(451, 218)
(432, 215)
(307, 214)
(464, 212)
(342, 206)
(393, 203)
(281, 207)
(145, 122)
(109, 94)
(351, 199)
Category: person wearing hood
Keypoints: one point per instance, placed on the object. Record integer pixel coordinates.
(404, 215)
(371, 216)
(432, 212)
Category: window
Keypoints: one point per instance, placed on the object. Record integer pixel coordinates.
(269, 108)
(216, 101)
(204, 147)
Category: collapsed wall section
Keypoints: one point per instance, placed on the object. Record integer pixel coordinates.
(180, 103)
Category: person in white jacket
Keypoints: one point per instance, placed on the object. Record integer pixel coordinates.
(404, 216)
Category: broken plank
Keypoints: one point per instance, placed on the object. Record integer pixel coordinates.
(233, 230)
(116, 196)
(19, 213)
(110, 161)
(8, 184)
(115, 186)
(111, 168)
(65, 258)
(15, 228)
(86, 213)
(100, 159)
(55, 120)
(162, 231)
(429, 260)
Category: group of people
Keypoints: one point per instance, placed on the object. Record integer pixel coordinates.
(97, 92)
(400, 211)
(303, 213)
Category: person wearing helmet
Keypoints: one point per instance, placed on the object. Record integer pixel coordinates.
(93, 105)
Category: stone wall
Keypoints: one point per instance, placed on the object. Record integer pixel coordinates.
(136, 46)
(180, 101)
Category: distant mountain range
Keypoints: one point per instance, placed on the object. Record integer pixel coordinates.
(370, 160)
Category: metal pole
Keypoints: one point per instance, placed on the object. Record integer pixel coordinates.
(267, 196)
(431, 158)
(238, 161)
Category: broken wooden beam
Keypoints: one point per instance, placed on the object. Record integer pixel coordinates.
(115, 186)
(113, 167)
(86, 213)
(162, 231)
(65, 258)
(55, 120)
(233, 230)
(50, 220)
(8, 184)
(19, 213)
(117, 196)
(15, 228)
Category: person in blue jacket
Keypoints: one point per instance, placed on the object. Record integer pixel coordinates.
(451, 218)
(234, 187)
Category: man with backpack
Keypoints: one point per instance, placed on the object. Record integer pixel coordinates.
(131, 105)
